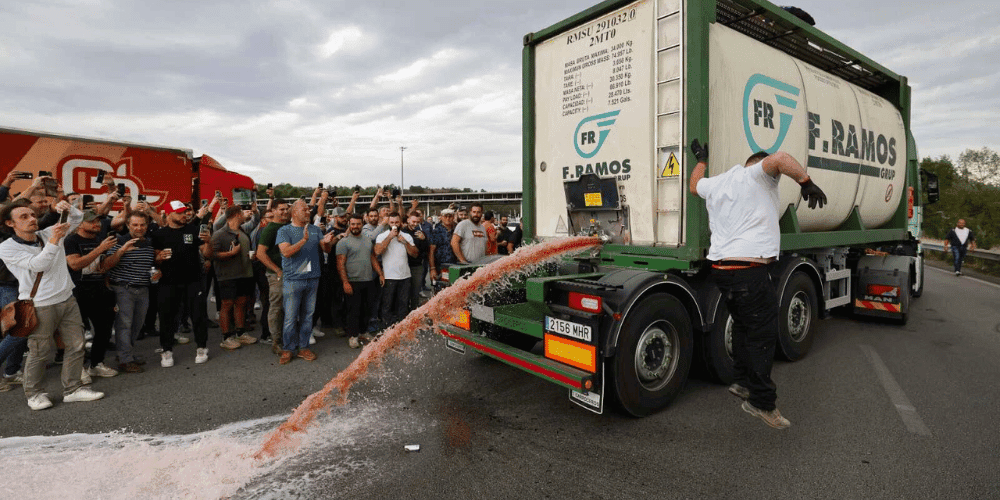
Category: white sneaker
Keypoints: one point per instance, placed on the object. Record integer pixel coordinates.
(201, 355)
(180, 339)
(312, 339)
(82, 394)
(88, 335)
(88, 345)
(102, 370)
(167, 359)
(40, 402)
(318, 333)
(85, 378)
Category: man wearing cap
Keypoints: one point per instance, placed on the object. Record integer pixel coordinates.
(440, 254)
(180, 246)
(84, 250)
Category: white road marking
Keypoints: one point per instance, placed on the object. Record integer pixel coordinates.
(906, 410)
(964, 277)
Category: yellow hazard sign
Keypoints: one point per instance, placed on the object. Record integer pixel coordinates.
(672, 168)
(592, 199)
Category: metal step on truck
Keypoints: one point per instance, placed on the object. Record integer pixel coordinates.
(612, 96)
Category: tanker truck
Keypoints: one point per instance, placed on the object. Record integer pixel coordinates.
(611, 98)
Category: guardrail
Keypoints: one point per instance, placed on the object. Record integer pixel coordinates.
(979, 254)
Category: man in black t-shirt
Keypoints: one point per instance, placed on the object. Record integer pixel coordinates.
(84, 250)
(179, 248)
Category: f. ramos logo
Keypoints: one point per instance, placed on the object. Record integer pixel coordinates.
(763, 111)
(594, 136)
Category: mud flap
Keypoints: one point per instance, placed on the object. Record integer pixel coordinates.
(593, 401)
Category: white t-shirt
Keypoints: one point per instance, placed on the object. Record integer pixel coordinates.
(742, 213)
(963, 234)
(394, 262)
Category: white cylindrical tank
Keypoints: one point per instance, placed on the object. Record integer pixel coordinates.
(852, 142)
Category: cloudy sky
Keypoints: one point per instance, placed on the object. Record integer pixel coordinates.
(303, 91)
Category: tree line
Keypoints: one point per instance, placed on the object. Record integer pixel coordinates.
(970, 190)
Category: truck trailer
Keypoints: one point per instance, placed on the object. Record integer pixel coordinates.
(160, 173)
(611, 98)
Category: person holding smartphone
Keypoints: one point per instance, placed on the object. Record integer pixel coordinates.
(231, 258)
(127, 265)
(180, 246)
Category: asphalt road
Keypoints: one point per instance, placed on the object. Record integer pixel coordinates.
(878, 411)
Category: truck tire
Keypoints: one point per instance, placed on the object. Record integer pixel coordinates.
(653, 356)
(917, 276)
(798, 312)
(717, 347)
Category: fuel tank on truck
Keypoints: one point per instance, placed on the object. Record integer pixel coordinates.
(852, 142)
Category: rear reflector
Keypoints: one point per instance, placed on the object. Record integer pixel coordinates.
(581, 302)
(572, 353)
(461, 319)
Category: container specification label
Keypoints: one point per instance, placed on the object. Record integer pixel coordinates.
(594, 110)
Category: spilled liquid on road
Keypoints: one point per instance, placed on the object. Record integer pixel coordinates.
(225, 462)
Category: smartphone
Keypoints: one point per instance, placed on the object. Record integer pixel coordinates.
(87, 200)
(321, 185)
(218, 194)
(270, 185)
(141, 197)
(396, 193)
(100, 177)
(43, 173)
(63, 217)
(204, 203)
(203, 228)
(357, 188)
(143, 243)
(23, 175)
(121, 189)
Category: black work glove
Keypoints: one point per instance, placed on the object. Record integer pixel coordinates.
(700, 152)
(812, 193)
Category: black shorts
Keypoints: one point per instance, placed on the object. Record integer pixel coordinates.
(232, 289)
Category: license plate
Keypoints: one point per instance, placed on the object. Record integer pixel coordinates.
(455, 345)
(568, 328)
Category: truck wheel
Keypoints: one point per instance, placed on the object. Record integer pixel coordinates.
(917, 276)
(717, 347)
(653, 357)
(798, 312)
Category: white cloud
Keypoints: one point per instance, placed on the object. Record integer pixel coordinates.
(350, 37)
(438, 60)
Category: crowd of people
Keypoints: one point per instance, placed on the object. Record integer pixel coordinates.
(101, 281)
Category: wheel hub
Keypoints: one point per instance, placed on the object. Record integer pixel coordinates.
(799, 316)
(654, 353)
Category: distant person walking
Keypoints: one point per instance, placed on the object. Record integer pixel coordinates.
(961, 239)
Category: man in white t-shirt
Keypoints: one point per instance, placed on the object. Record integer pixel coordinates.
(743, 216)
(960, 239)
(393, 246)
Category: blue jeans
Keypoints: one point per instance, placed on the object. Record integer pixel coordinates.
(299, 305)
(12, 349)
(133, 302)
(959, 254)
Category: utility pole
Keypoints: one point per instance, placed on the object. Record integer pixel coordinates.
(401, 184)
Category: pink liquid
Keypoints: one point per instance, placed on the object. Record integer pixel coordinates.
(287, 436)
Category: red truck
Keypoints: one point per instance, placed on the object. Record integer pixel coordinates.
(160, 173)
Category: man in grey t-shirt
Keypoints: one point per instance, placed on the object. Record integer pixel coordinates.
(357, 267)
(469, 240)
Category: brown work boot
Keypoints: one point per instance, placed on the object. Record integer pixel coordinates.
(130, 367)
(772, 418)
(307, 355)
(286, 357)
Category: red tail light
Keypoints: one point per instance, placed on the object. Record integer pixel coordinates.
(586, 303)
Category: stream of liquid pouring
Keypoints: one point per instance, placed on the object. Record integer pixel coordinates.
(287, 436)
